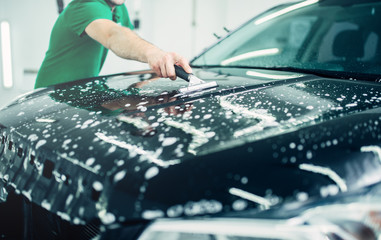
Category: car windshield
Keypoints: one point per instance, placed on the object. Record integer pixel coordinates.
(332, 36)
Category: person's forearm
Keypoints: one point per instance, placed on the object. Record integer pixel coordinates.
(127, 44)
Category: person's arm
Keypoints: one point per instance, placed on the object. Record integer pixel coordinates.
(127, 44)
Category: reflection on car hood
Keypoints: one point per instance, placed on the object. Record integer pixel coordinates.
(129, 146)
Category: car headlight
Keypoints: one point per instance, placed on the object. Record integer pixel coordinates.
(352, 220)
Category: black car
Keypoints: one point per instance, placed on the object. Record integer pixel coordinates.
(287, 146)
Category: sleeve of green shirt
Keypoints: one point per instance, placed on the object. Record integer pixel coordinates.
(87, 12)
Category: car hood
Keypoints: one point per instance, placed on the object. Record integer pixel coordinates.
(129, 146)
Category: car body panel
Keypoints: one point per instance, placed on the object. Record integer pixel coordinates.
(261, 138)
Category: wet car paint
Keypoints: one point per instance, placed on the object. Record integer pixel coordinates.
(145, 151)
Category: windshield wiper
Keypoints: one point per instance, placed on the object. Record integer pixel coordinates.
(317, 72)
(331, 74)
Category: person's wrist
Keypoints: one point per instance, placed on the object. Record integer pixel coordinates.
(151, 53)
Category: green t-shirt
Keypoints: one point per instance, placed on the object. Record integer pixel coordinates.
(72, 54)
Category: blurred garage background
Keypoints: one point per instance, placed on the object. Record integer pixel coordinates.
(183, 26)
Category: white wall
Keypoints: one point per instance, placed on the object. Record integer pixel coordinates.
(30, 29)
(183, 26)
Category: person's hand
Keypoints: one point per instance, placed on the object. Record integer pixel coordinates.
(163, 63)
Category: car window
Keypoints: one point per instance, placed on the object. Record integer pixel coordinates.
(264, 48)
(343, 38)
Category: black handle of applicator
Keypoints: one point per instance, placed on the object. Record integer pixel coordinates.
(180, 72)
